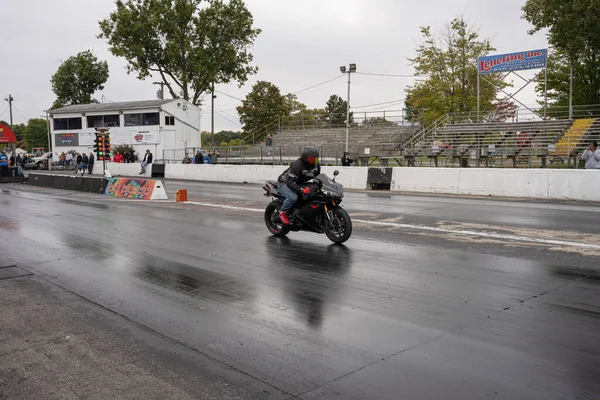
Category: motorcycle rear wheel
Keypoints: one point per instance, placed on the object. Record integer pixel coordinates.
(340, 228)
(272, 220)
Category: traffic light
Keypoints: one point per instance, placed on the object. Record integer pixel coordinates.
(98, 146)
(107, 147)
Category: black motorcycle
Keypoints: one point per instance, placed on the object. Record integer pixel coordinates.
(319, 212)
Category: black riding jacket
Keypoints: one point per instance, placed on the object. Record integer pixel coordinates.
(296, 175)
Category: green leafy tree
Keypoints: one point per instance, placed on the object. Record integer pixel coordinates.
(262, 109)
(189, 47)
(377, 121)
(222, 136)
(336, 109)
(78, 78)
(574, 33)
(448, 60)
(36, 133)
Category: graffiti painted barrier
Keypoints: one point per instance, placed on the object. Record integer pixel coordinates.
(131, 188)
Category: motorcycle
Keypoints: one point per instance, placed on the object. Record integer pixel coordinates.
(319, 212)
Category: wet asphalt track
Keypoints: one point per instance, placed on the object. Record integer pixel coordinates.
(394, 314)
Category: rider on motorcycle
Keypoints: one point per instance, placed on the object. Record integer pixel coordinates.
(301, 171)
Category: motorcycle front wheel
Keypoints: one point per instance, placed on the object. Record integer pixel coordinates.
(272, 220)
(339, 229)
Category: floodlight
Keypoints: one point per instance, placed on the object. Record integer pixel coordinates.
(352, 67)
(343, 69)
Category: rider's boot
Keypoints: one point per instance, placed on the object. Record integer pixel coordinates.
(284, 218)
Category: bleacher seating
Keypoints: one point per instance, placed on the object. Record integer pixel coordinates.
(377, 138)
(509, 137)
(573, 138)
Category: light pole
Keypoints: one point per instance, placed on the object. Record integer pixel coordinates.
(10, 99)
(351, 69)
(48, 126)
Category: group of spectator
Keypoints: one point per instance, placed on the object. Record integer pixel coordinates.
(6, 162)
(213, 158)
(82, 162)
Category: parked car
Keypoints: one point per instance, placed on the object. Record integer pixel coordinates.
(38, 162)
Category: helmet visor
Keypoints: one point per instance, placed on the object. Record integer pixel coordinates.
(312, 160)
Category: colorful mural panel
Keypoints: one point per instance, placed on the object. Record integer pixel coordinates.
(130, 188)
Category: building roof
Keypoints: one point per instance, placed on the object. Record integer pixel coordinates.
(120, 106)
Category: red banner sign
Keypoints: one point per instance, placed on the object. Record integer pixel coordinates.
(7, 135)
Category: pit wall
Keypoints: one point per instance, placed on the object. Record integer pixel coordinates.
(524, 183)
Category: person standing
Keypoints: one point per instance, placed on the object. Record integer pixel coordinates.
(213, 158)
(346, 160)
(147, 160)
(91, 160)
(84, 163)
(3, 164)
(186, 159)
(198, 158)
(592, 156)
(269, 144)
(78, 162)
(119, 158)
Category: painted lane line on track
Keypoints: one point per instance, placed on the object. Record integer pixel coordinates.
(488, 235)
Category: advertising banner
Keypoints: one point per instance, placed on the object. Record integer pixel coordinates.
(66, 139)
(7, 135)
(533, 59)
(144, 137)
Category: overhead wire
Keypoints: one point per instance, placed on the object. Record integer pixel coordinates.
(228, 95)
(378, 104)
(4, 111)
(228, 119)
(17, 110)
(386, 75)
(319, 84)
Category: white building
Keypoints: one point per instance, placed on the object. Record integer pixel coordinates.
(165, 127)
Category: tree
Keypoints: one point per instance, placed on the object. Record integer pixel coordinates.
(448, 59)
(574, 32)
(262, 109)
(336, 109)
(188, 47)
(78, 78)
(586, 80)
(222, 136)
(377, 121)
(36, 133)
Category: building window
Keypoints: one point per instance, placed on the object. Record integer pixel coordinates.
(103, 121)
(66, 124)
(142, 119)
(169, 120)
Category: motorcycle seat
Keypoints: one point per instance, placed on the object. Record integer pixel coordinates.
(273, 184)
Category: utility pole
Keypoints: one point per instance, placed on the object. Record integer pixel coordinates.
(571, 91)
(162, 92)
(350, 70)
(10, 100)
(212, 114)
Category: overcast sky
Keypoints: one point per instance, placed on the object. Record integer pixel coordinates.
(303, 43)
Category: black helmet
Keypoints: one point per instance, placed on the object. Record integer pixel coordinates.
(310, 156)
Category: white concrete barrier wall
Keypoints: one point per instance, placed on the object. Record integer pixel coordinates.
(525, 183)
(350, 177)
(118, 169)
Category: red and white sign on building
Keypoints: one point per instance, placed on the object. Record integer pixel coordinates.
(7, 135)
